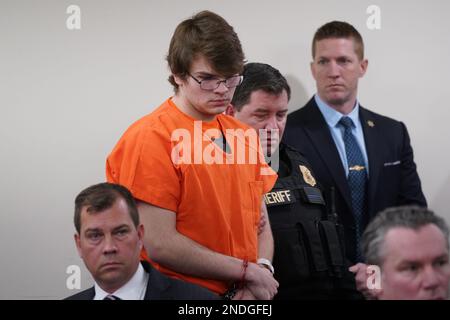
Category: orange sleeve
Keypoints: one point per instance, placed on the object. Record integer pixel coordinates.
(141, 162)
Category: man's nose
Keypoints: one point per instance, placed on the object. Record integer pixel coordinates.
(222, 88)
(333, 69)
(431, 278)
(271, 123)
(110, 246)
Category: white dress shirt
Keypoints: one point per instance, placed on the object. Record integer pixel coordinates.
(132, 290)
(332, 117)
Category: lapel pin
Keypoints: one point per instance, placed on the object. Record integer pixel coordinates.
(370, 123)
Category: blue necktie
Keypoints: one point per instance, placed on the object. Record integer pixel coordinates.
(357, 180)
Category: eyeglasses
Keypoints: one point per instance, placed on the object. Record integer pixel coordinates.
(213, 84)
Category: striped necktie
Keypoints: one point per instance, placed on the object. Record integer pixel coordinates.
(111, 297)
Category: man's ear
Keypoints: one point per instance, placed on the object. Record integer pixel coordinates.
(178, 80)
(230, 110)
(141, 232)
(76, 237)
(313, 70)
(363, 67)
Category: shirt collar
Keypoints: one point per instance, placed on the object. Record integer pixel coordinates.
(332, 116)
(132, 290)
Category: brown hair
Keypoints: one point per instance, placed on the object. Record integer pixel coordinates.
(207, 34)
(259, 76)
(339, 30)
(103, 196)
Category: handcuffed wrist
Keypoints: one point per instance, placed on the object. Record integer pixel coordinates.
(266, 264)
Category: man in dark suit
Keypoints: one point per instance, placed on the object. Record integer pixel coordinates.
(109, 240)
(364, 160)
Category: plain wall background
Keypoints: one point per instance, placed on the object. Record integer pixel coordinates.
(66, 96)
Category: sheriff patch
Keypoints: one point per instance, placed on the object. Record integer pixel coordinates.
(279, 197)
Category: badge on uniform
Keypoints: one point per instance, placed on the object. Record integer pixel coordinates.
(307, 176)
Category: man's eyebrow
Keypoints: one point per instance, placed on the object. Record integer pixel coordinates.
(261, 110)
(442, 256)
(115, 229)
(121, 227)
(92, 230)
(205, 74)
(409, 261)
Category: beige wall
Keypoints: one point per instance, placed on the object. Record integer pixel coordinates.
(67, 96)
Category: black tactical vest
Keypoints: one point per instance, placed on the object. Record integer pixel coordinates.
(308, 241)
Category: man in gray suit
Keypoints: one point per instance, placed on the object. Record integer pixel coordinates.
(109, 240)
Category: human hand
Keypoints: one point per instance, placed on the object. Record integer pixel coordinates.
(361, 278)
(244, 294)
(260, 282)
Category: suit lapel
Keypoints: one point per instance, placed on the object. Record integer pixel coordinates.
(374, 153)
(317, 130)
(89, 294)
(156, 285)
